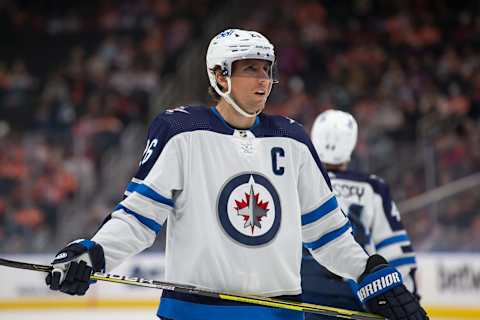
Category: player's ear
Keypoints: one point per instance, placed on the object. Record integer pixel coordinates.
(221, 79)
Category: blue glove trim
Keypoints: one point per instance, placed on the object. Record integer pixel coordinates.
(354, 287)
(377, 283)
(87, 244)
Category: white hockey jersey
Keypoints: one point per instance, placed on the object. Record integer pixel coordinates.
(239, 204)
(375, 220)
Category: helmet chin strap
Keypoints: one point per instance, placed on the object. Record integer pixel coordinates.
(228, 98)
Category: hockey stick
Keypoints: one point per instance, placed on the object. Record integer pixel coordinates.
(188, 289)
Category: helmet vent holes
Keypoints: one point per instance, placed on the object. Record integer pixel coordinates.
(330, 147)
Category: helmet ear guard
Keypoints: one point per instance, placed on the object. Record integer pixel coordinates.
(232, 45)
(334, 135)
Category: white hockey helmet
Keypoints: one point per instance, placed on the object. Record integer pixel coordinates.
(334, 135)
(232, 45)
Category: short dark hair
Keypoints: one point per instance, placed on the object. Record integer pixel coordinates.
(213, 94)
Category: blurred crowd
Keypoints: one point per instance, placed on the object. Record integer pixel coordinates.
(75, 76)
(409, 71)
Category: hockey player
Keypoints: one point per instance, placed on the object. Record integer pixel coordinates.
(241, 191)
(366, 199)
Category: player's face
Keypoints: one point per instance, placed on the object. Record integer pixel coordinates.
(251, 84)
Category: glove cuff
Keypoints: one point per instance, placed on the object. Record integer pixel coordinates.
(97, 257)
(378, 282)
(378, 278)
(80, 247)
(374, 263)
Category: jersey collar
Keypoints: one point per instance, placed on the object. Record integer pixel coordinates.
(222, 120)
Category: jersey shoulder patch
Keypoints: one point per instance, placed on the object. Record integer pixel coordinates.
(182, 119)
(376, 178)
(286, 123)
(280, 126)
(164, 127)
(378, 185)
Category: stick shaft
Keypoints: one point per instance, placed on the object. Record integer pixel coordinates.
(268, 302)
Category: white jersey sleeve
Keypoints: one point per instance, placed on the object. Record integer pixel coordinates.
(326, 230)
(148, 201)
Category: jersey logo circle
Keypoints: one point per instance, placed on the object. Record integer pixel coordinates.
(249, 209)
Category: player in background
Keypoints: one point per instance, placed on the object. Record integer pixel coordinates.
(367, 202)
(241, 191)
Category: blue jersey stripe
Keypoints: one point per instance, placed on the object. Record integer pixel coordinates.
(150, 223)
(332, 235)
(149, 193)
(321, 211)
(402, 261)
(132, 186)
(183, 310)
(392, 240)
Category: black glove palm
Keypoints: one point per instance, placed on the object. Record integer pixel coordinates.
(397, 303)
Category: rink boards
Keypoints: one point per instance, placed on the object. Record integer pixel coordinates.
(448, 283)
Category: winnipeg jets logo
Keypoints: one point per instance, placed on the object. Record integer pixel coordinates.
(225, 33)
(249, 209)
(252, 210)
(178, 109)
(291, 121)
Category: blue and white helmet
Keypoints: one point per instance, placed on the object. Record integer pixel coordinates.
(232, 45)
(334, 135)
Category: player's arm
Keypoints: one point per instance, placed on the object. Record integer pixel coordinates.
(148, 200)
(135, 221)
(389, 235)
(327, 234)
(326, 231)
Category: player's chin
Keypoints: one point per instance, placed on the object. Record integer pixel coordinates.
(257, 105)
(257, 108)
(254, 104)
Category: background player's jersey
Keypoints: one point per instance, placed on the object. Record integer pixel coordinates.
(239, 205)
(375, 219)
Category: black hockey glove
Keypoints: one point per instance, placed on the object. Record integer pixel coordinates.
(382, 291)
(73, 266)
